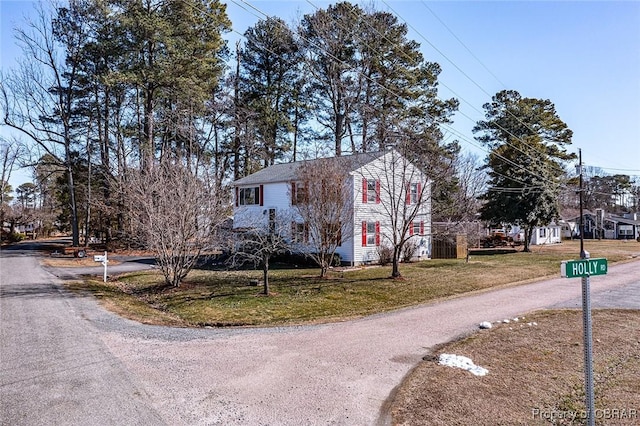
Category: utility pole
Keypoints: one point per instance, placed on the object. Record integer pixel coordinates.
(586, 318)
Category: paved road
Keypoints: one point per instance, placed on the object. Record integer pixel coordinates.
(54, 367)
(338, 374)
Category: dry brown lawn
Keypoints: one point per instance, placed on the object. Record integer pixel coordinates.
(535, 374)
(74, 262)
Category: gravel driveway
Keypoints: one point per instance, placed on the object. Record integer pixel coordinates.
(341, 373)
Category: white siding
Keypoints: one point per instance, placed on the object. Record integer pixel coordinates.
(346, 249)
(277, 196)
(391, 184)
(551, 234)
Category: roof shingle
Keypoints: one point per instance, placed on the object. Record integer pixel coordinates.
(287, 172)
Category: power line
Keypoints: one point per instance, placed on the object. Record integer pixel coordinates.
(463, 99)
(470, 79)
(614, 169)
(443, 84)
(462, 44)
(463, 137)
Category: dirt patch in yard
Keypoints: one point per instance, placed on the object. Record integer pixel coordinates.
(535, 374)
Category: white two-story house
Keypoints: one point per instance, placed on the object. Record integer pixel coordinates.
(391, 200)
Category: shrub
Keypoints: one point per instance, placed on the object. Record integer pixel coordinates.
(408, 250)
(385, 254)
(16, 237)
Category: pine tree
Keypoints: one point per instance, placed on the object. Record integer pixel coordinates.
(270, 75)
(528, 147)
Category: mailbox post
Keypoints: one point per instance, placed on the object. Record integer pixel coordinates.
(103, 259)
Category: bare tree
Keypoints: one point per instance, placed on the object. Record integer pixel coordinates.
(472, 182)
(322, 198)
(259, 244)
(39, 99)
(404, 199)
(176, 215)
(10, 150)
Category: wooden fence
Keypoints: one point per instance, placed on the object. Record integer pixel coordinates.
(449, 247)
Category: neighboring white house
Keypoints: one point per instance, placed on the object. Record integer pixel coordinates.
(549, 234)
(376, 181)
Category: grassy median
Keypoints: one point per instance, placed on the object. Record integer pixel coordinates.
(225, 298)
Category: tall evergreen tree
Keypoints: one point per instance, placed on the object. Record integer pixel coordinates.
(329, 40)
(270, 62)
(375, 89)
(175, 60)
(528, 147)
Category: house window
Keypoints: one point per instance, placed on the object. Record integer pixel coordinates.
(416, 228)
(370, 234)
(625, 229)
(298, 193)
(370, 191)
(414, 192)
(542, 232)
(249, 196)
(299, 233)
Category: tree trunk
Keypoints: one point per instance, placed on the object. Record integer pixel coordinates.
(338, 134)
(527, 239)
(236, 117)
(146, 153)
(75, 231)
(395, 269)
(296, 128)
(87, 217)
(265, 275)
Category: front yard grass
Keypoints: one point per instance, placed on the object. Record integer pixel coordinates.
(225, 298)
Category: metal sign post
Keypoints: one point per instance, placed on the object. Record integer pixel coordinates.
(586, 315)
(584, 268)
(588, 346)
(105, 261)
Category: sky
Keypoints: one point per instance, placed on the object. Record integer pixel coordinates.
(584, 56)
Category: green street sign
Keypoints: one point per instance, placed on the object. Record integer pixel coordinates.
(583, 268)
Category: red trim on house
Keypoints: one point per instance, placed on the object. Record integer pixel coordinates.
(377, 233)
(421, 228)
(364, 234)
(408, 196)
(364, 190)
(411, 229)
(377, 192)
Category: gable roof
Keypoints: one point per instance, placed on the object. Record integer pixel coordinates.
(287, 172)
(621, 219)
(607, 218)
